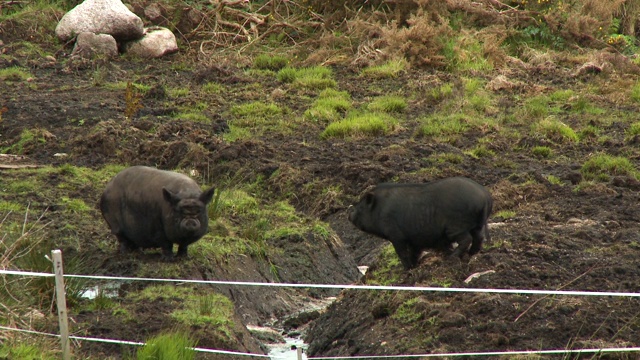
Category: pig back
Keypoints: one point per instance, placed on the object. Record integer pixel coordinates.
(428, 210)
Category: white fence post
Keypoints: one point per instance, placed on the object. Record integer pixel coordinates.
(61, 300)
(299, 349)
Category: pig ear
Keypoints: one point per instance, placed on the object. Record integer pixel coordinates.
(206, 196)
(370, 200)
(169, 196)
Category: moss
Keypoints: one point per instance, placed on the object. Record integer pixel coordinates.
(387, 269)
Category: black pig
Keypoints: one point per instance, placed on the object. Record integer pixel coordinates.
(150, 208)
(415, 217)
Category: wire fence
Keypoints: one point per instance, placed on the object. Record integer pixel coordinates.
(65, 337)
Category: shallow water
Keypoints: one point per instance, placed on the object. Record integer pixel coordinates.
(107, 290)
(287, 351)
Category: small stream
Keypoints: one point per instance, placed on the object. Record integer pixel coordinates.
(287, 351)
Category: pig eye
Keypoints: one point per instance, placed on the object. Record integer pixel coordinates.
(190, 210)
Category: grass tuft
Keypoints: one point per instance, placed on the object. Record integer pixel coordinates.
(330, 106)
(441, 125)
(314, 78)
(169, 346)
(390, 69)
(388, 104)
(270, 62)
(555, 130)
(602, 167)
(14, 73)
(542, 151)
(368, 124)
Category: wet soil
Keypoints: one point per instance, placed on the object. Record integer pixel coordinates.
(563, 235)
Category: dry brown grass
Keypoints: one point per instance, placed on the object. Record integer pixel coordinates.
(363, 32)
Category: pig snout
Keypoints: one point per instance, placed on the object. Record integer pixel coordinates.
(190, 224)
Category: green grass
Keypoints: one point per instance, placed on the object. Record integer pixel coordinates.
(554, 180)
(634, 129)
(390, 69)
(168, 346)
(480, 102)
(14, 73)
(25, 245)
(22, 186)
(9, 206)
(367, 124)
(555, 130)
(601, 167)
(505, 214)
(28, 138)
(387, 270)
(314, 78)
(537, 107)
(256, 110)
(212, 88)
(472, 85)
(542, 151)
(270, 62)
(178, 92)
(26, 350)
(246, 225)
(76, 206)
(451, 158)
(192, 308)
(561, 95)
(193, 116)
(212, 310)
(409, 312)
(256, 118)
(441, 125)
(330, 106)
(589, 132)
(480, 151)
(388, 104)
(122, 85)
(583, 105)
(635, 93)
(443, 91)
(465, 54)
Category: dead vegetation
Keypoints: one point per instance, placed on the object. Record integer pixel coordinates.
(363, 33)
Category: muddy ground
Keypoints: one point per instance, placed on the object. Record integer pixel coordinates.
(566, 234)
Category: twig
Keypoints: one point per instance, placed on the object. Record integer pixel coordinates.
(547, 296)
(15, 167)
(26, 217)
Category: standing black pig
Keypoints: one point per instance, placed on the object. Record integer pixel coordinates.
(150, 208)
(415, 217)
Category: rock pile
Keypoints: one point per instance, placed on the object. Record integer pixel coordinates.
(98, 26)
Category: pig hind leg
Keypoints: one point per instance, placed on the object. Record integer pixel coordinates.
(464, 241)
(478, 235)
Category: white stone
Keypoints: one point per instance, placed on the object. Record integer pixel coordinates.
(100, 17)
(89, 45)
(157, 41)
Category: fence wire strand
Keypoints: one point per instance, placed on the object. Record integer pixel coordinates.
(345, 287)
